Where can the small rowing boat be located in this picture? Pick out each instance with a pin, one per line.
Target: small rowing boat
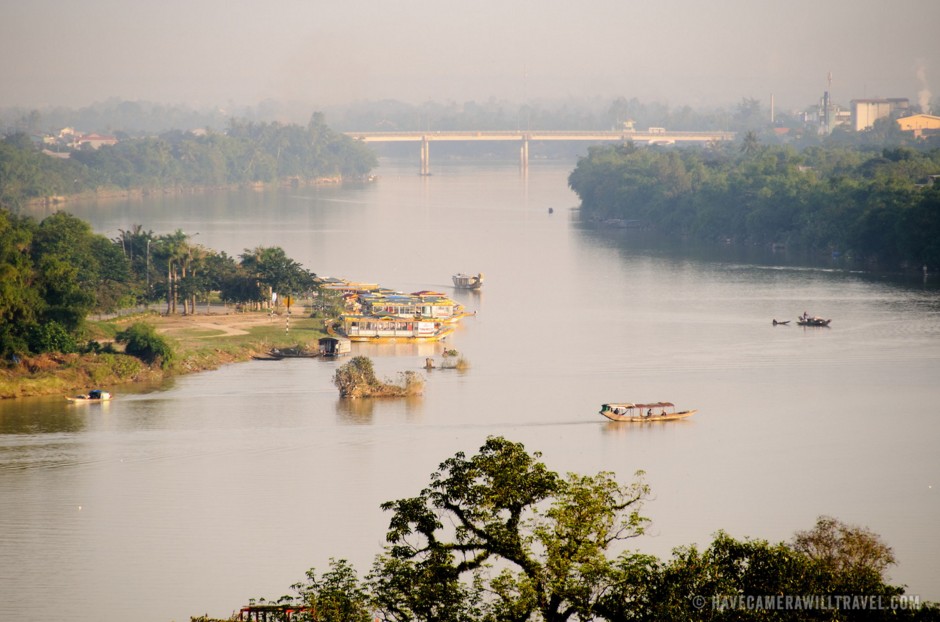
(812, 321)
(96, 395)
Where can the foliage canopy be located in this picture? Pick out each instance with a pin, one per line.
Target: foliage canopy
(498, 536)
(879, 207)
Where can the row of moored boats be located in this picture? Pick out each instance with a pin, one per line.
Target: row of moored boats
(376, 314)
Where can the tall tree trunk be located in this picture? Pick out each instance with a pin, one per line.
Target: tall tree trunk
(176, 290)
(169, 288)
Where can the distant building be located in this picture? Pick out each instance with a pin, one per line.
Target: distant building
(825, 115)
(866, 111)
(919, 123)
(94, 141)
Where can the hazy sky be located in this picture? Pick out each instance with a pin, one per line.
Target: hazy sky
(215, 52)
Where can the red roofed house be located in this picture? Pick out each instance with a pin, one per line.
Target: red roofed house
(94, 141)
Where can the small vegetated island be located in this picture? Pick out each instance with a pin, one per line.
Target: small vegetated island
(882, 207)
(357, 379)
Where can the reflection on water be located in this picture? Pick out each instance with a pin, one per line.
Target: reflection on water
(361, 411)
(43, 415)
(176, 484)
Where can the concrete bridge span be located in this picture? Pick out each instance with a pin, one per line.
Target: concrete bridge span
(652, 136)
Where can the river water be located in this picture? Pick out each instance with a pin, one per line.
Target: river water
(192, 497)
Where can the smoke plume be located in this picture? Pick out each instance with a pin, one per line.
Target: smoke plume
(923, 95)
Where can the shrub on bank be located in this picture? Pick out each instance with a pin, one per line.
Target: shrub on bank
(141, 340)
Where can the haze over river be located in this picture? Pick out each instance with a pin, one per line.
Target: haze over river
(193, 497)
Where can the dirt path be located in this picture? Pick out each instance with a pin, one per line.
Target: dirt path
(228, 323)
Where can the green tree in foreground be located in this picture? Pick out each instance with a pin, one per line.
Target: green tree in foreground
(844, 548)
(336, 596)
(538, 540)
(498, 537)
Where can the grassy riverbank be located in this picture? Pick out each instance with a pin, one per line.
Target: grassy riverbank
(201, 342)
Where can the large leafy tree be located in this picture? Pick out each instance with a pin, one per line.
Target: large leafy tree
(20, 302)
(498, 537)
(843, 548)
(68, 257)
(335, 596)
(276, 272)
(540, 542)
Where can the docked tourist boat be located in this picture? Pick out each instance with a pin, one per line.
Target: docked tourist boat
(96, 395)
(424, 305)
(812, 321)
(390, 329)
(467, 281)
(654, 411)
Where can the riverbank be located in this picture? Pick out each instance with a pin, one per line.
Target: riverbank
(115, 193)
(201, 342)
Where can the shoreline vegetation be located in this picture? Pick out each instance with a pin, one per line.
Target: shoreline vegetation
(880, 208)
(246, 154)
(201, 342)
(115, 193)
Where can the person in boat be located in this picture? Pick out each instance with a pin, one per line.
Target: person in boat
(649, 412)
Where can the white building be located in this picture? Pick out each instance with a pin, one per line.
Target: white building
(866, 111)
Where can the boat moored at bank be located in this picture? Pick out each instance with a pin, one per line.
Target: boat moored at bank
(390, 328)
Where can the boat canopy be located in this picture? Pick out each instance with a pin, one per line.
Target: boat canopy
(641, 406)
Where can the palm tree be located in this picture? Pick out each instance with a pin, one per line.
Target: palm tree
(172, 249)
(750, 144)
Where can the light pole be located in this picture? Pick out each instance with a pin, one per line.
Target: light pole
(148, 267)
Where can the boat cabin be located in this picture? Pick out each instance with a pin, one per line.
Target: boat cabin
(365, 327)
(334, 346)
(652, 409)
(423, 305)
(468, 281)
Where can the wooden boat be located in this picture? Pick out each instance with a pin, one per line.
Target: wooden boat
(389, 329)
(812, 321)
(639, 413)
(466, 281)
(288, 353)
(96, 395)
(334, 346)
(424, 305)
(783, 323)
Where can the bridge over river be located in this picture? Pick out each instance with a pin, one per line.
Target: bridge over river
(653, 136)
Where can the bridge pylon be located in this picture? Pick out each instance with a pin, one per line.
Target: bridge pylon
(425, 156)
(524, 155)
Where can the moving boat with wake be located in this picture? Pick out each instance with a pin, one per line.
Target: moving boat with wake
(639, 413)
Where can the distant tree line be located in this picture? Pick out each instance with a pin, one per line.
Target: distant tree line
(881, 207)
(53, 273)
(140, 119)
(246, 153)
(499, 537)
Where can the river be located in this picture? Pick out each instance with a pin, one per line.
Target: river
(192, 497)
